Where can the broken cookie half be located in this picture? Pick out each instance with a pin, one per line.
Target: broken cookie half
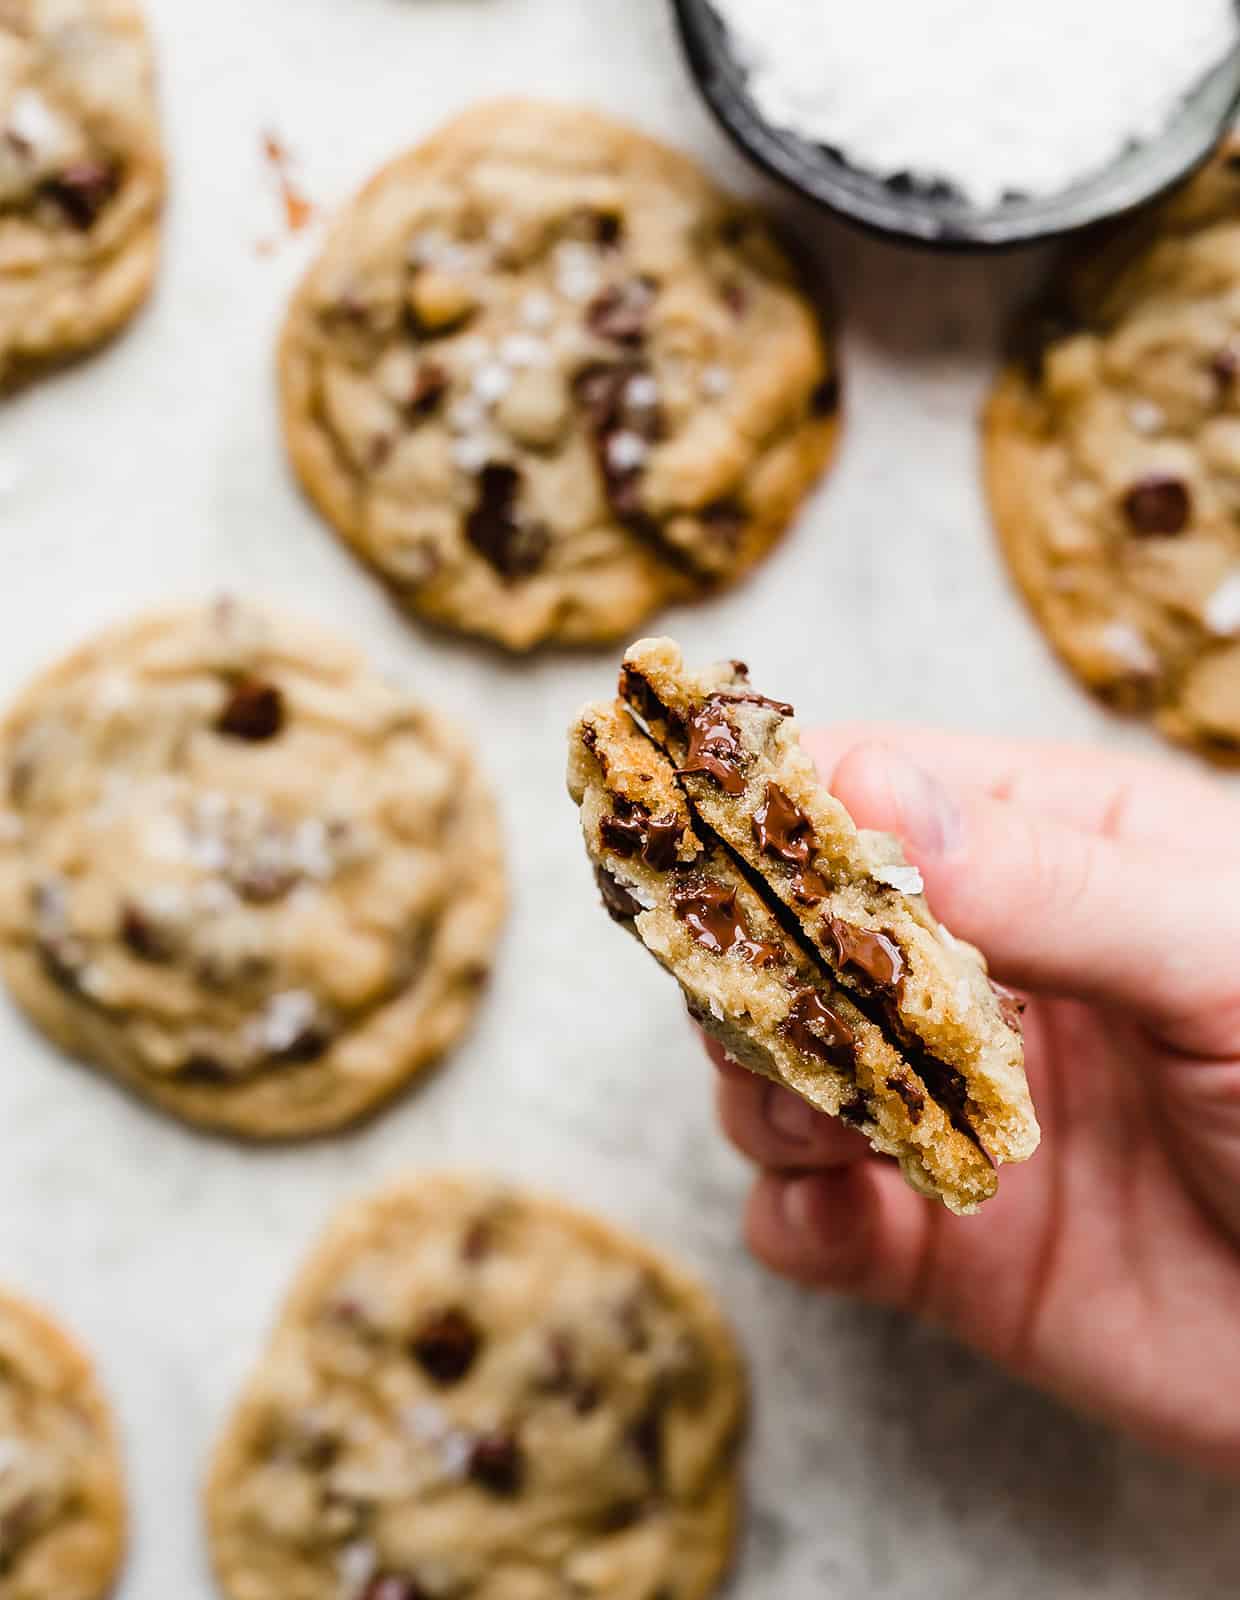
(802, 943)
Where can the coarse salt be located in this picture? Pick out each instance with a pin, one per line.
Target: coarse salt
(907, 880)
(1222, 609)
(990, 96)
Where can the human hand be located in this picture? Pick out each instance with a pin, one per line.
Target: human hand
(1107, 1269)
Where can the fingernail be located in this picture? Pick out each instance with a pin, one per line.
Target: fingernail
(789, 1116)
(929, 818)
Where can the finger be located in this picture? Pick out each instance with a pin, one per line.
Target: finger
(1060, 910)
(776, 1128)
(1123, 796)
(860, 1230)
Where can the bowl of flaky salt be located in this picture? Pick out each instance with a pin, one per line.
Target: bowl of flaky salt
(970, 124)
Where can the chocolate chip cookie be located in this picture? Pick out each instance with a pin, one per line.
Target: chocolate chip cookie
(1113, 465)
(546, 377)
(81, 176)
(477, 1393)
(245, 876)
(802, 943)
(62, 1507)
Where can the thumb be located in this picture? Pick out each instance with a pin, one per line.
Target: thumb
(1060, 909)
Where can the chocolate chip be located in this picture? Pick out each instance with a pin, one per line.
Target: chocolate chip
(1158, 505)
(605, 392)
(637, 692)
(824, 400)
(82, 190)
(817, 1030)
(709, 909)
(1224, 365)
(715, 749)
(646, 1438)
(262, 882)
(446, 1346)
(608, 228)
(781, 829)
(497, 1464)
(379, 451)
(430, 383)
(308, 1044)
(144, 938)
(914, 1100)
(735, 296)
(619, 314)
(619, 902)
(876, 956)
(855, 1112)
(478, 1242)
(619, 1516)
(207, 1069)
(514, 547)
(254, 712)
(393, 1586)
(725, 521)
(632, 830)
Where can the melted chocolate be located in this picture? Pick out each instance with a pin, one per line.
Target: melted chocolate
(873, 954)
(710, 911)
(817, 1030)
(715, 749)
(632, 830)
(254, 712)
(495, 528)
(1158, 505)
(781, 829)
(751, 697)
(914, 1100)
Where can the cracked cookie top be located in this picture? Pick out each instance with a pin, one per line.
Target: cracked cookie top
(242, 873)
(480, 1394)
(81, 175)
(545, 377)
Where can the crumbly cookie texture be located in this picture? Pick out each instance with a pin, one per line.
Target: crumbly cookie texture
(848, 902)
(244, 875)
(1113, 465)
(546, 377)
(746, 978)
(477, 1394)
(81, 176)
(62, 1507)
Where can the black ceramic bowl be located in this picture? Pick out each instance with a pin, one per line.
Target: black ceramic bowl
(935, 216)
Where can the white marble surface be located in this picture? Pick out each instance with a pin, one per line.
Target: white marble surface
(882, 1461)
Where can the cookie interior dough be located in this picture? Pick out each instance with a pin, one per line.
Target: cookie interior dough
(546, 377)
(242, 873)
(1113, 464)
(81, 176)
(62, 1511)
(708, 822)
(477, 1393)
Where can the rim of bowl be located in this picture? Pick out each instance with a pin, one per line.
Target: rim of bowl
(942, 222)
